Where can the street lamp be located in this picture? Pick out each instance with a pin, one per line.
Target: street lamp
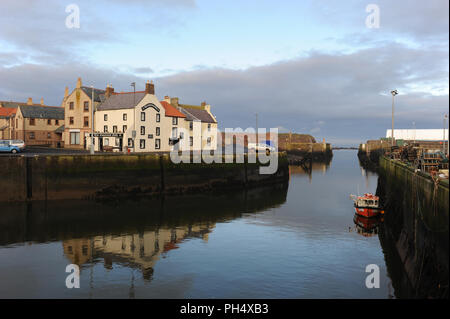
(394, 93)
(92, 121)
(443, 140)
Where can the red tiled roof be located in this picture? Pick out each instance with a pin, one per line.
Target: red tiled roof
(7, 111)
(171, 110)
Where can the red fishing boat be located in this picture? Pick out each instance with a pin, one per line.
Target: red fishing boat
(367, 205)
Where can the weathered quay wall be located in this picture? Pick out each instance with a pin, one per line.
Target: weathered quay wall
(318, 152)
(415, 228)
(111, 176)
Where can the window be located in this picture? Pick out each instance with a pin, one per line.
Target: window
(130, 142)
(117, 141)
(86, 106)
(124, 116)
(191, 141)
(158, 131)
(86, 121)
(32, 122)
(71, 120)
(142, 116)
(70, 105)
(49, 122)
(56, 122)
(106, 142)
(105, 117)
(74, 138)
(142, 144)
(124, 129)
(31, 135)
(209, 127)
(208, 141)
(105, 128)
(157, 143)
(158, 118)
(142, 130)
(114, 128)
(49, 135)
(174, 132)
(17, 123)
(174, 120)
(191, 125)
(181, 135)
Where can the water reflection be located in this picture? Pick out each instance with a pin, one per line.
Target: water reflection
(134, 234)
(310, 167)
(367, 227)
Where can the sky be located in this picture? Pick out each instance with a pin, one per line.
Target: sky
(309, 66)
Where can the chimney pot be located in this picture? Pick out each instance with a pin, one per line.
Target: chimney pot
(149, 88)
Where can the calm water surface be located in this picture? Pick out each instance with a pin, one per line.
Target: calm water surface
(293, 241)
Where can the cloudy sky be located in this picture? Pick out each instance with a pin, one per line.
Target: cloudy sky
(303, 66)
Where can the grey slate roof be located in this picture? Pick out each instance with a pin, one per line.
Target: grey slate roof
(189, 116)
(97, 93)
(202, 115)
(42, 112)
(121, 101)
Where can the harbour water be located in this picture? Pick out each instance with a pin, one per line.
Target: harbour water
(293, 241)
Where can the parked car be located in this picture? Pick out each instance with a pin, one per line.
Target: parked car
(261, 147)
(19, 143)
(6, 146)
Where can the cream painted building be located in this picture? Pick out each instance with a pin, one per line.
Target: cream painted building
(139, 122)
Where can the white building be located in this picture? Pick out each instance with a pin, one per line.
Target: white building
(419, 135)
(139, 122)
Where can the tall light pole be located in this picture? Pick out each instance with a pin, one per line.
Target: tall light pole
(92, 121)
(256, 128)
(133, 133)
(443, 139)
(414, 126)
(394, 93)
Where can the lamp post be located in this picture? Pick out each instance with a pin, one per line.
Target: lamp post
(443, 139)
(92, 121)
(256, 114)
(414, 125)
(133, 133)
(394, 93)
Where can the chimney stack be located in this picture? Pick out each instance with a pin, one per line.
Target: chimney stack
(203, 103)
(109, 90)
(149, 88)
(167, 99)
(79, 83)
(30, 101)
(42, 101)
(174, 101)
(66, 92)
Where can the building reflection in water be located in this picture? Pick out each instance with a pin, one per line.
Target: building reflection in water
(139, 250)
(132, 233)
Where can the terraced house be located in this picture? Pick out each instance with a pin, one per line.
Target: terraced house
(139, 122)
(39, 125)
(36, 124)
(78, 114)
